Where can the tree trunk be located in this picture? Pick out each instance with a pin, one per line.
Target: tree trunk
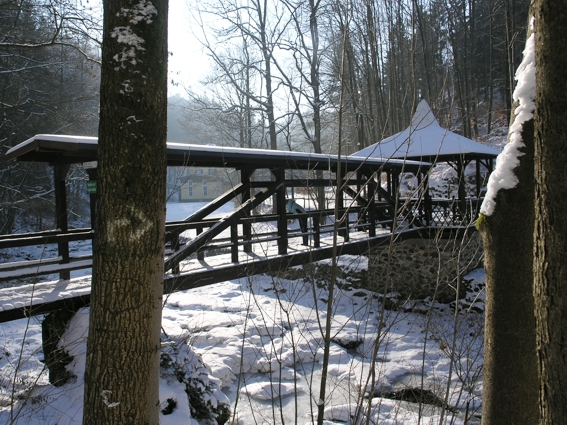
(550, 270)
(510, 362)
(122, 368)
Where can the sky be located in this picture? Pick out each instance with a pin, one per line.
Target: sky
(188, 63)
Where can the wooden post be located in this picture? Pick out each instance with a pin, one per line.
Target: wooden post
(428, 210)
(175, 247)
(461, 191)
(371, 207)
(234, 242)
(59, 175)
(477, 176)
(395, 183)
(245, 175)
(280, 210)
(361, 213)
(317, 231)
(200, 254)
(340, 200)
(304, 228)
(92, 173)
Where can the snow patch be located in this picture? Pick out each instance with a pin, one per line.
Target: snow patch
(271, 390)
(144, 11)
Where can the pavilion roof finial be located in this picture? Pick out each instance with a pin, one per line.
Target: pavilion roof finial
(423, 116)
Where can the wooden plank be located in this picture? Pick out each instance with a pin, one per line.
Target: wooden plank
(76, 263)
(15, 265)
(44, 233)
(55, 238)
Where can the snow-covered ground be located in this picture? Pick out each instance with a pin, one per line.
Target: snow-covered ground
(261, 338)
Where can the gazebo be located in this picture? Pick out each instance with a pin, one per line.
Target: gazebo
(426, 140)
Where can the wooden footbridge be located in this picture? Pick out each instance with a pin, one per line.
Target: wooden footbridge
(368, 212)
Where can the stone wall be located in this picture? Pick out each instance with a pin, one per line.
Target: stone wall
(421, 268)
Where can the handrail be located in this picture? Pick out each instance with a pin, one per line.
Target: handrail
(444, 213)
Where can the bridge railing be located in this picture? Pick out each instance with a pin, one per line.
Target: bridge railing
(451, 212)
(243, 234)
(310, 228)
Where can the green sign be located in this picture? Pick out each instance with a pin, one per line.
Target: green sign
(91, 187)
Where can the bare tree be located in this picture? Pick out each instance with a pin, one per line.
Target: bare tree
(551, 203)
(49, 79)
(259, 24)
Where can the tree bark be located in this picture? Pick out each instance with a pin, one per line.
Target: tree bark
(550, 270)
(122, 368)
(510, 363)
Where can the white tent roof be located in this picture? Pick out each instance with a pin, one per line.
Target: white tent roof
(426, 140)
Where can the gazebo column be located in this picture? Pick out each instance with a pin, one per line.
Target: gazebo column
(420, 196)
(61, 220)
(427, 206)
(395, 183)
(461, 167)
(379, 184)
(461, 189)
(371, 206)
(477, 177)
(340, 206)
(359, 190)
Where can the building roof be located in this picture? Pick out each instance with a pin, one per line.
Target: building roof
(61, 149)
(426, 140)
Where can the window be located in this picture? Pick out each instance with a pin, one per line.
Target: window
(190, 188)
(205, 188)
(199, 171)
(212, 171)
